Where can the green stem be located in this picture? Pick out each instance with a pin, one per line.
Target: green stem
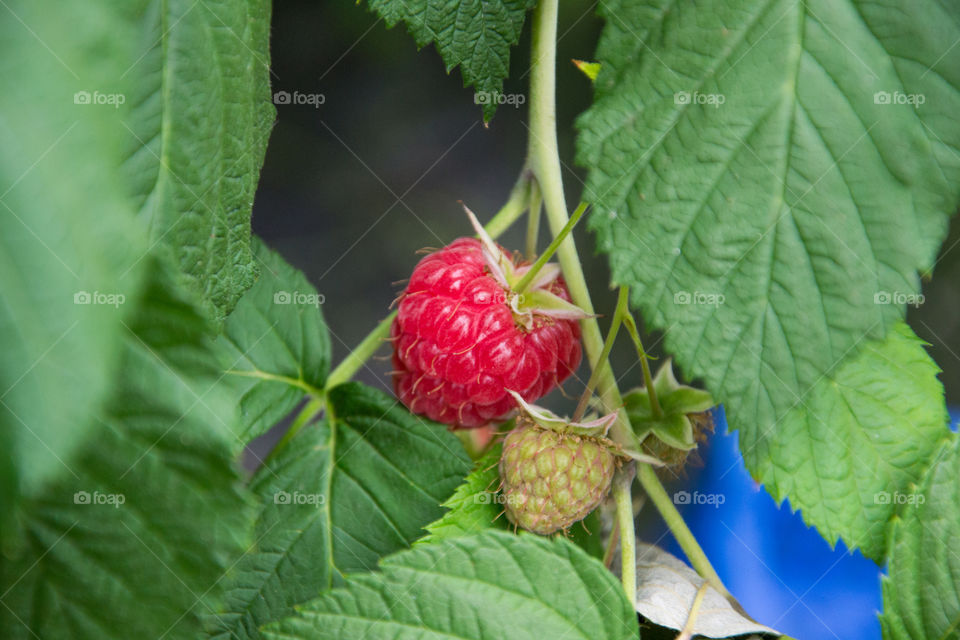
(628, 538)
(359, 356)
(309, 411)
(543, 159)
(604, 355)
(655, 408)
(533, 219)
(514, 207)
(551, 249)
(698, 559)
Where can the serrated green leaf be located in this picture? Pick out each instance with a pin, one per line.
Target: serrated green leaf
(475, 35)
(133, 541)
(276, 344)
(59, 352)
(480, 587)
(860, 438)
(200, 116)
(921, 595)
(336, 500)
(767, 203)
(475, 505)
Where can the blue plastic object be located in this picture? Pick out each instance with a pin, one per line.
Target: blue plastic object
(783, 572)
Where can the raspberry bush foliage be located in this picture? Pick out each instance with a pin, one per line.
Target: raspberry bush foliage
(768, 183)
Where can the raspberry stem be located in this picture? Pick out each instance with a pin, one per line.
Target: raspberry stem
(655, 408)
(528, 277)
(513, 208)
(533, 219)
(604, 355)
(681, 532)
(628, 545)
(543, 159)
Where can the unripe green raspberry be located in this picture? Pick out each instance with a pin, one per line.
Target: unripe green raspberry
(552, 479)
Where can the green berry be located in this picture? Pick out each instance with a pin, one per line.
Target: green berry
(551, 478)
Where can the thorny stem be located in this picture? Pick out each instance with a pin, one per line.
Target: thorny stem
(543, 159)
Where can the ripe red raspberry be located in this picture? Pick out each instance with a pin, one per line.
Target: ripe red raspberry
(462, 339)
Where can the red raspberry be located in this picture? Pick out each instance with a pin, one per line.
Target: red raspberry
(459, 345)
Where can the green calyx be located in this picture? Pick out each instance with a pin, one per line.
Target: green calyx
(678, 403)
(528, 295)
(546, 419)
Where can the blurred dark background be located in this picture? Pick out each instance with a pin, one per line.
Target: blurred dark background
(353, 187)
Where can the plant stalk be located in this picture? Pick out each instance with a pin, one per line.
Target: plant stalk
(543, 159)
(535, 204)
(309, 411)
(644, 360)
(528, 277)
(628, 538)
(698, 559)
(349, 366)
(604, 355)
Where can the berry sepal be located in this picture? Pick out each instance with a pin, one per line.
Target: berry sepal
(536, 298)
(596, 428)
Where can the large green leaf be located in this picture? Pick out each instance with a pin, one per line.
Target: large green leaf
(921, 596)
(200, 91)
(337, 499)
(488, 586)
(766, 204)
(475, 35)
(69, 246)
(276, 344)
(133, 541)
(859, 439)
